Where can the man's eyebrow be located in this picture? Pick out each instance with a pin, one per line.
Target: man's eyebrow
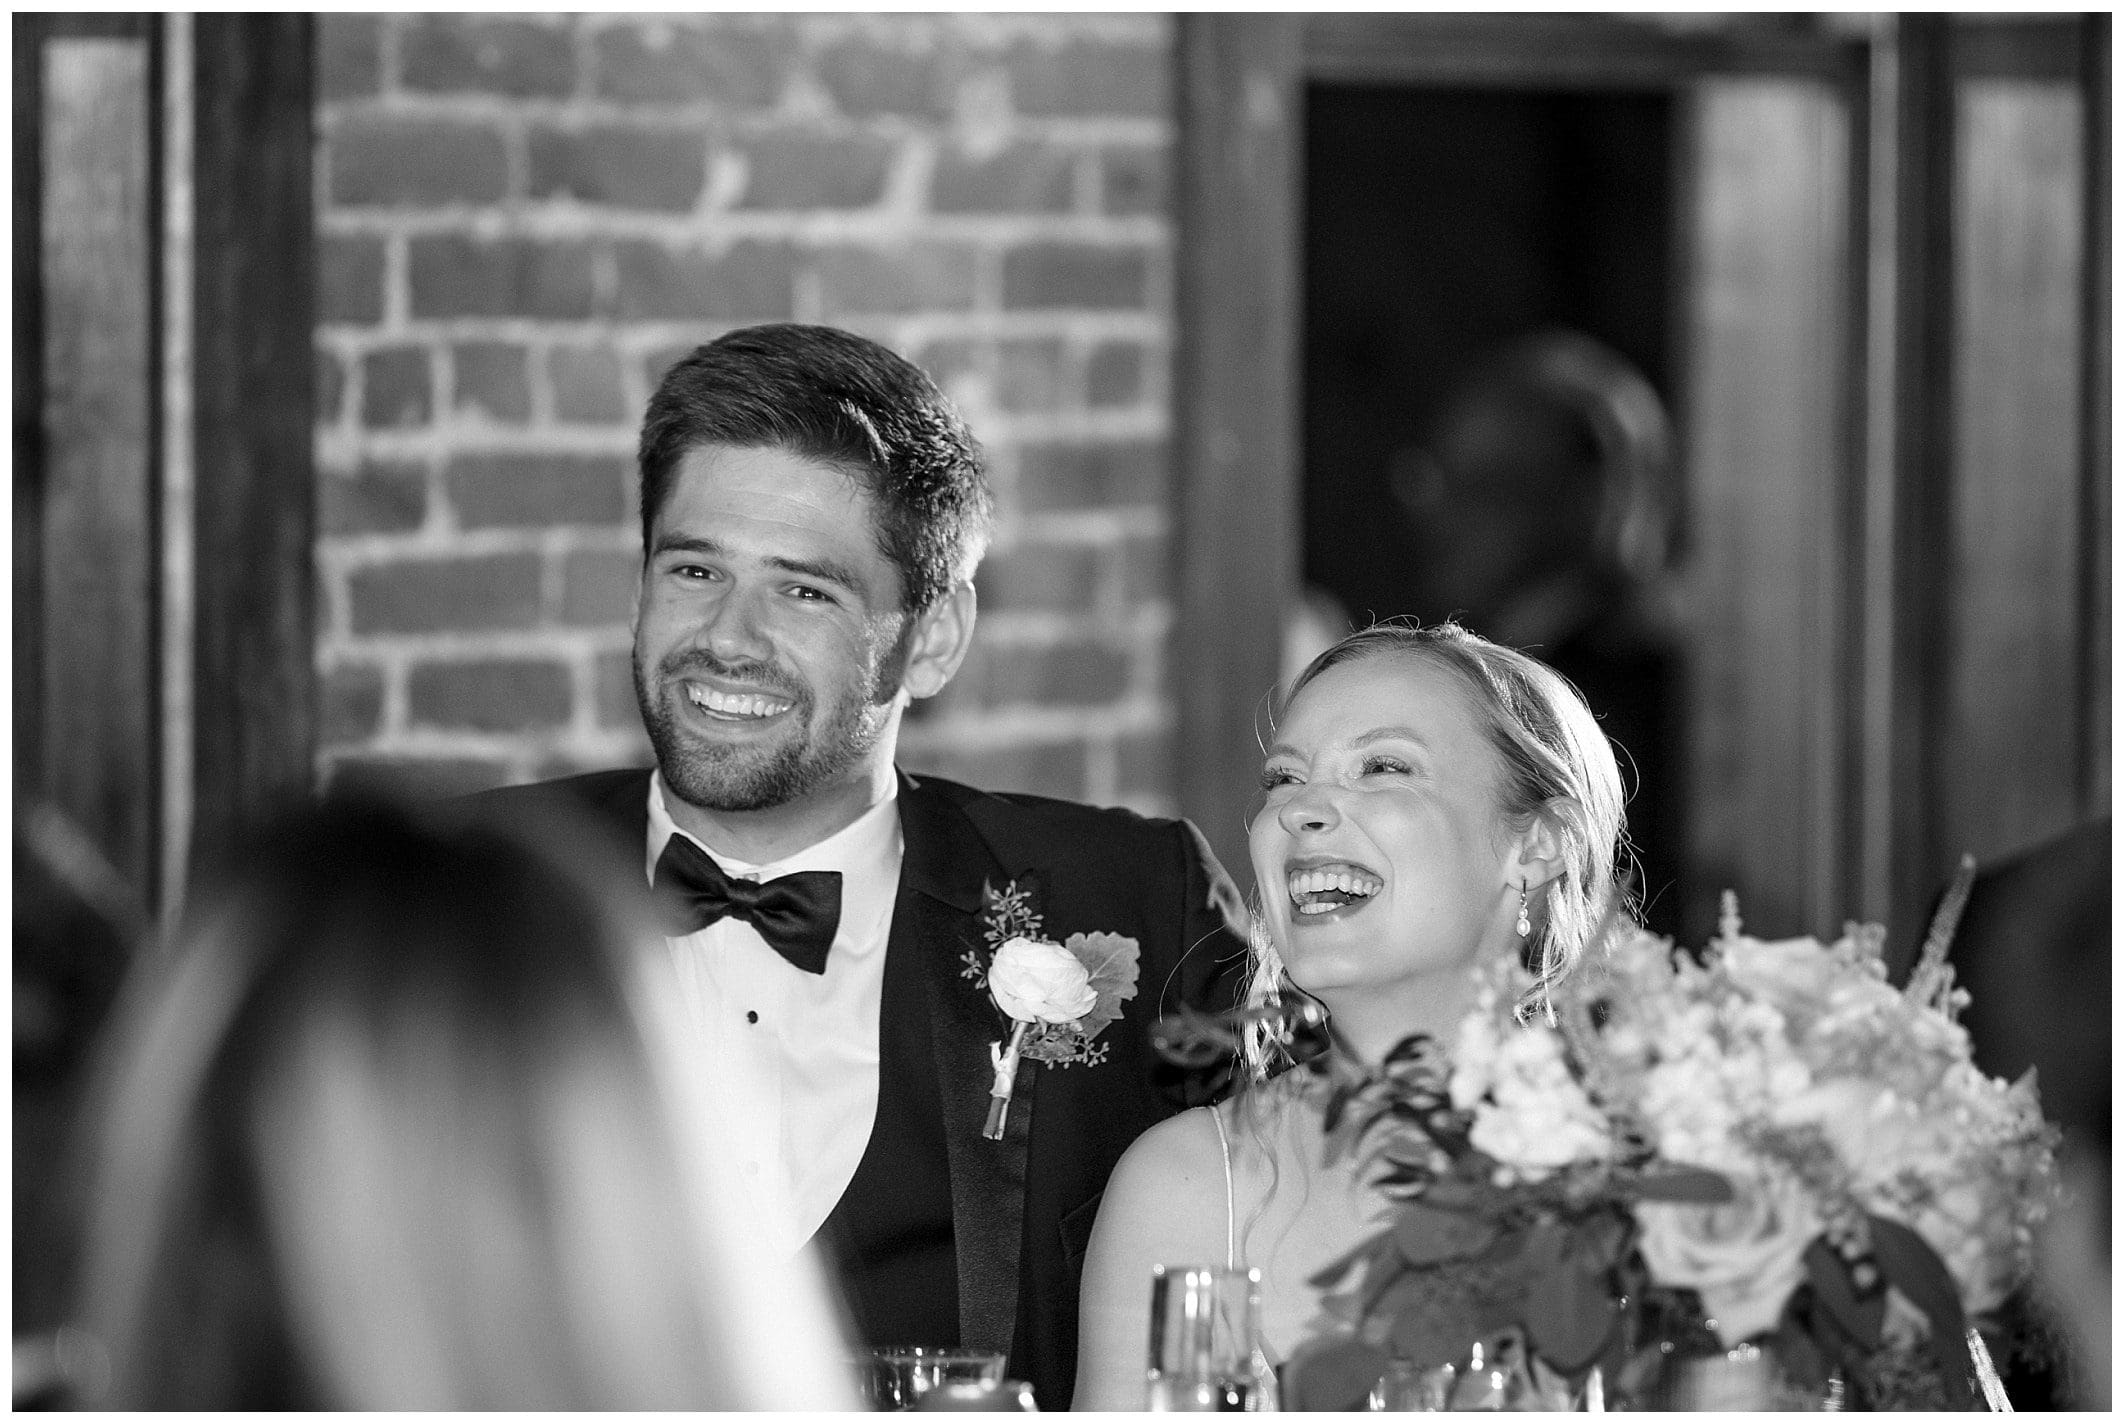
(687, 544)
(824, 570)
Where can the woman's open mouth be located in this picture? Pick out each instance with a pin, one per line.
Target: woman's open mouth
(1324, 889)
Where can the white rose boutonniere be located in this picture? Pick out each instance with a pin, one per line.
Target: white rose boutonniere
(1039, 981)
(1058, 996)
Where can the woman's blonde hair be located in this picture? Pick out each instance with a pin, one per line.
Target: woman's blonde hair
(393, 1128)
(1555, 762)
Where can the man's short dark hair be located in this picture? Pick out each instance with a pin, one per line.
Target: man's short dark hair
(844, 401)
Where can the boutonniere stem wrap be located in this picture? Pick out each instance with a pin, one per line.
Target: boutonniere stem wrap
(1035, 981)
(1058, 996)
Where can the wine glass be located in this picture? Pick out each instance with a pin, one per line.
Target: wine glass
(1204, 1349)
(900, 1375)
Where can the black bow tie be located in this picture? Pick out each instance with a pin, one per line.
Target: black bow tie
(796, 914)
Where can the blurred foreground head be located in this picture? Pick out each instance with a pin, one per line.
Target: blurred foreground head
(394, 1125)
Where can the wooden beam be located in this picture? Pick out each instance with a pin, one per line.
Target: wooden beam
(93, 497)
(1909, 471)
(29, 407)
(1567, 51)
(1235, 515)
(2010, 774)
(254, 684)
(2095, 415)
(1767, 435)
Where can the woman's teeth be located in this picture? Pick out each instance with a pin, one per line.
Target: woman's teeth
(1315, 892)
(736, 704)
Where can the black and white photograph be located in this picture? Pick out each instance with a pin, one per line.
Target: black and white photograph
(1017, 710)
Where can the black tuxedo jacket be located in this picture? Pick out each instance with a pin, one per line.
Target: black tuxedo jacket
(1022, 1208)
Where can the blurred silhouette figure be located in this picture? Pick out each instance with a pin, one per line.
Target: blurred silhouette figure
(1542, 503)
(77, 926)
(2032, 949)
(400, 1122)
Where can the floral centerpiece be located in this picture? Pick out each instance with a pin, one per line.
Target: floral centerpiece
(1766, 1153)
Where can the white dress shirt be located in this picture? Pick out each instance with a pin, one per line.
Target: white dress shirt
(794, 1056)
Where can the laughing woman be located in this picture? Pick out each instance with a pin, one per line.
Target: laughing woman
(1434, 802)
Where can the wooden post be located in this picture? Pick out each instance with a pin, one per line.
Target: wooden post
(1235, 505)
(254, 685)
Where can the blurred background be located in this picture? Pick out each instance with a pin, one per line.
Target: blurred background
(1752, 368)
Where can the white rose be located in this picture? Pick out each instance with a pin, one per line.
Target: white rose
(1745, 1258)
(1038, 981)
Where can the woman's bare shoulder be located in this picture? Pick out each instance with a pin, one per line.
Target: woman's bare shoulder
(1182, 1146)
(1177, 1164)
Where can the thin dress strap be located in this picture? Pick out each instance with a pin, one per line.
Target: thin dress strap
(1231, 1211)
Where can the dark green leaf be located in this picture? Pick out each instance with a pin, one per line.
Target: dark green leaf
(1569, 1316)
(1599, 1241)
(1675, 1182)
(1332, 1375)
(1916, 1270)
(1857, 1313)
(1425, 1235)
(1332, 1272)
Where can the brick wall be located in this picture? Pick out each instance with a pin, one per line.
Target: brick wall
(524, 221)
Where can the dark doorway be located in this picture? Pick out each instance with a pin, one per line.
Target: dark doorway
(1487, 272)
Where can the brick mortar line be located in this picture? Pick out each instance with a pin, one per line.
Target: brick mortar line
(554, 644)
(1086, 429)
(822, 27)
(719, 120)
(714, 231)
(339, 447)
(352, 340)
(441, 439)
(344, 553)
(818, 27)
(463, 435)
(1141, 629)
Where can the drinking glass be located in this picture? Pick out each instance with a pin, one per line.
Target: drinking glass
(1203, 1346)
(1498, 1373)
(1007, 1397)
(900, 1375)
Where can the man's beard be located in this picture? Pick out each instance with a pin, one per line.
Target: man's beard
(720, 777)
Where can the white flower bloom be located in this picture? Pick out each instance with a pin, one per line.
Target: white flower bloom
(1038, 981)
(1537, 1117)
(1744, 1258)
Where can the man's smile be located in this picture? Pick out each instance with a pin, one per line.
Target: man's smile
(736, 706)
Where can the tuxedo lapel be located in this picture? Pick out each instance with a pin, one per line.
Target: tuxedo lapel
(935, 922)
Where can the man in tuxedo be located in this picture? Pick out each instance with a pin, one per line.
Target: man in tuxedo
(812, 514)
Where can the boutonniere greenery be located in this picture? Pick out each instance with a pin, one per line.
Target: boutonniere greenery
(1058, 994)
